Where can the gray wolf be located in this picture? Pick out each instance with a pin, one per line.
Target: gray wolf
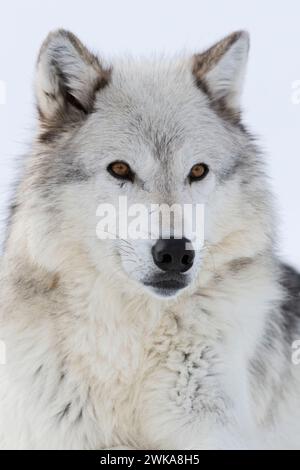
(140, 344)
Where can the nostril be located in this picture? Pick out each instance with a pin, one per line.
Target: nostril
(186, 259)
(167, 258)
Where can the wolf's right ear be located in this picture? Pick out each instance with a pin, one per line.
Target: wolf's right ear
(68, 77)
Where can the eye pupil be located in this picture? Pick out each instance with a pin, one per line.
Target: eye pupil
(198, 172)
(120, 170)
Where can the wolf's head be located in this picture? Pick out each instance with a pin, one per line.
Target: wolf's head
(155, 132)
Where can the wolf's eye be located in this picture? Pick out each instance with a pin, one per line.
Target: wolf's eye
(198, 172)
(121, 170)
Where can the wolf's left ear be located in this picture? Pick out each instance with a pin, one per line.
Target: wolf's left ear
(68, 77)
(220, 70)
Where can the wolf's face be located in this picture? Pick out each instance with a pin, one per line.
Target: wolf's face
(150, 133)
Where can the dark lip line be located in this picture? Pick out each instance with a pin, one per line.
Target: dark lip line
(173, 285)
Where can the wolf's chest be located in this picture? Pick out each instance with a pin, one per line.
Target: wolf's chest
(174, 379)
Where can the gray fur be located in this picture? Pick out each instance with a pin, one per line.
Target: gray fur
(96, 358)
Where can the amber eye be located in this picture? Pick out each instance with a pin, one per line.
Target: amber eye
(121, 170)
(198, 172)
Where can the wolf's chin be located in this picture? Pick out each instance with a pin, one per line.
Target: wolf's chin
(163, 293)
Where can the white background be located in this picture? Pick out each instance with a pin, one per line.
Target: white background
(112, 27)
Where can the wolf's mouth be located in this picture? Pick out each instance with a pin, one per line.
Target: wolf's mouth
(166, 286)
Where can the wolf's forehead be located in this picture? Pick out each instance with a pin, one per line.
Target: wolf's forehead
(154, 93)
(160, 107)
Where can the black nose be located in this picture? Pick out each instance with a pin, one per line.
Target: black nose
(173, 255)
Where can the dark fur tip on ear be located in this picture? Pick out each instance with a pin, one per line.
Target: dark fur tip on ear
(68, 77)
(220, 70)
(60, 38)
(206, 61)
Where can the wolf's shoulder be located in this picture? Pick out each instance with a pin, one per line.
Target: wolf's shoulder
(290, 307)
(290, 279)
